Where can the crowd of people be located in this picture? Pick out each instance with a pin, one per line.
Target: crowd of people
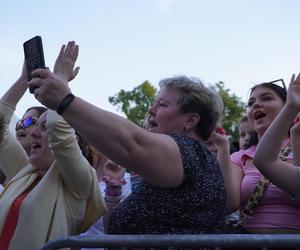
(73, 177)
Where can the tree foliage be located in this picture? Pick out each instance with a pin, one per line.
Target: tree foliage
(234, 108)
(136, 103)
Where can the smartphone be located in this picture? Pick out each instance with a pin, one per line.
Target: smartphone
(34, 57)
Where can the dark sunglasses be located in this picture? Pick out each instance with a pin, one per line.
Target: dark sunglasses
(26, 122)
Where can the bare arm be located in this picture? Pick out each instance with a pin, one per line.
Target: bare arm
(154, 156)
(295, 138)
(232, 174)
(283, 174)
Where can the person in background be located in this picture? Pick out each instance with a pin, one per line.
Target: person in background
(247, 136)
(25, 126)
(276, 212)
(182, 189)
(53, 192)
(115, 186)
(285, 175)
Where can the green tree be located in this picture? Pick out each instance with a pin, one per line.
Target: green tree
(135, 104)
(234, 108)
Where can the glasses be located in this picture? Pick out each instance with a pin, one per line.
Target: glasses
(27, 122)
(279, 80)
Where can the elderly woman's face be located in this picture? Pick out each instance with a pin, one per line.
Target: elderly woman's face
(164, 115)
(40, 154)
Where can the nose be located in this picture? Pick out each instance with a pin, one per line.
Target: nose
(152, 110)
(257, 104)
(247, 137)
(35, 133)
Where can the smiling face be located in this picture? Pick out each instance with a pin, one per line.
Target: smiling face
(24, 128)
(164, 115)
(40, 153)
(263, 106)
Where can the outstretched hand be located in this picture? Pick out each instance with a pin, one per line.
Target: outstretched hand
(65, 62)
(293, 95)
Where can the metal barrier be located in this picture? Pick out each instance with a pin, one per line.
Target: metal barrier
(217, 241)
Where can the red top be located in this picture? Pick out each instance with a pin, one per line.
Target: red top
(12, 217)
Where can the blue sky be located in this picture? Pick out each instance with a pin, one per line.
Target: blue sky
(124, 42)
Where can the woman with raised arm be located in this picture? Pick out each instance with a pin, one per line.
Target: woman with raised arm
(265, 208)
(182, 189)
(283, 174)
(51, 193)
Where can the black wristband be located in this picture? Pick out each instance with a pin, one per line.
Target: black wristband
(65, 103)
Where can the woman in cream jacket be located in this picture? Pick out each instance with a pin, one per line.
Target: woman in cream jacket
(54, 192)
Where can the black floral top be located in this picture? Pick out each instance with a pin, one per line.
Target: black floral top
(198, 205)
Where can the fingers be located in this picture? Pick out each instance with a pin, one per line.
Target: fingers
(35, 83)
(76, 52)
(75, 72)
(61, 52)
(41, 73)
(72, 51)
(38, 76)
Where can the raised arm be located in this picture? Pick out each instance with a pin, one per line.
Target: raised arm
(232, 174)
(12, 155)
(72, 165)
(154, 156)
(295, 138)
(282, 174)
(17, 90)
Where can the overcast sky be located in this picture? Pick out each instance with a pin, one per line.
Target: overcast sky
(124, 42)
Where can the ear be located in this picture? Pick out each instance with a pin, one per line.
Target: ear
(191, 121)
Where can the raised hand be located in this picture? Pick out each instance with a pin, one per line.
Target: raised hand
(219, 138)
(293, 95)
(65, 62)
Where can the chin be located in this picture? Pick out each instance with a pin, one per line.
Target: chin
(39, 164)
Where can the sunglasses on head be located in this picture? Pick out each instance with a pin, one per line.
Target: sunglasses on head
(27, 122)
(278, 81)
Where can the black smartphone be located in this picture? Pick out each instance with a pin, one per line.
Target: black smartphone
(34, 57)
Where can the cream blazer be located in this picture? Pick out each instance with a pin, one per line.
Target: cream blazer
(66, 201)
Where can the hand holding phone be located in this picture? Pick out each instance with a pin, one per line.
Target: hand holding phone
(34, 57)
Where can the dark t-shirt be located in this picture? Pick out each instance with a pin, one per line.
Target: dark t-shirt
(198, 205)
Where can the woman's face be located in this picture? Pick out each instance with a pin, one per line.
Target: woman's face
(40, 153)
(164, 115)
(263, 106)
(24, 128)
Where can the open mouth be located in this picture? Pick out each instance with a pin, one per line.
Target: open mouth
(259, 115)
(35, 145)
(152, 124)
